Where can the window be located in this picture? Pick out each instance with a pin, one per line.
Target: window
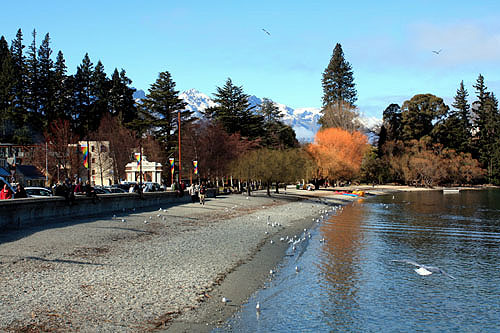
(103, 148)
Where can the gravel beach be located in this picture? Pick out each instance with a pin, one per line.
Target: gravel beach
(150, 270)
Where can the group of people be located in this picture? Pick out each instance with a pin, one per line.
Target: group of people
(6, 192)
(68, 189)
(198, 192)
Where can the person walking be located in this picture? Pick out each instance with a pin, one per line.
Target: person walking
(192, 193)
(5, 193)
(203, 191)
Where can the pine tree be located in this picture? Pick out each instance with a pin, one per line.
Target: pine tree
(63, 102)
(338, 81)
(486, 130)
(277, 134)
(460, 124)
(46, 82)
(33, 78)
(160, 110)
(100, 91)
(20, 103)
(7, 81)
(270, 111)
(121, 100)
(83, 98)
(234, 112)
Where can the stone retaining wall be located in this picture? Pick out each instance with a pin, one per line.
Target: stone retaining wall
(21, 213)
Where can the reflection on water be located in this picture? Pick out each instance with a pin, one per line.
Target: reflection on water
(349, 283)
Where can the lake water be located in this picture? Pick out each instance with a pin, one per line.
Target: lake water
(350, 283)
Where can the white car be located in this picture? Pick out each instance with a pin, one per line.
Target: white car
(38, 192)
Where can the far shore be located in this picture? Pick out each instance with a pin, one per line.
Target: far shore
(154, 269)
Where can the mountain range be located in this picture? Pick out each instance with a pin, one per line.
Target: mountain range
(304, 121)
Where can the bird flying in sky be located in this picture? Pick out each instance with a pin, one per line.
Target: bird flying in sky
(267, 32)
(437, 52)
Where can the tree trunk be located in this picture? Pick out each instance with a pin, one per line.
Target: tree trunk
(268, 187)
(277, 187)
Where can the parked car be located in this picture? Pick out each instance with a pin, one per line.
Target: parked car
(151, 187)
(38, 192)
(114, 189)
(101, 190)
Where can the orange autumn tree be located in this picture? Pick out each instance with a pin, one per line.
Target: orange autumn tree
(338, 153)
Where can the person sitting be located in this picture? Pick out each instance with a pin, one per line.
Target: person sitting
(5, 193)
(90, 192)
(20, 192)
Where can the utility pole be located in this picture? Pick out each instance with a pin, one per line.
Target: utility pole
(140, 166)
(46, 164)
(179, 130)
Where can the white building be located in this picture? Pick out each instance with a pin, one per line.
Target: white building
(101, 163)
(151, 171)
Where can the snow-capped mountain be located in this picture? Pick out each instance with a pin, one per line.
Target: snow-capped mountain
(304, 121)
(197, 101)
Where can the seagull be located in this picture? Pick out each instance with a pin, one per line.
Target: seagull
(225, 300)
(423, 269)
(267, 32)
(437, 52)
(297, 269)
(257, 307)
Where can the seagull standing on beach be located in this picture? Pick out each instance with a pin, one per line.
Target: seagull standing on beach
(423, 269)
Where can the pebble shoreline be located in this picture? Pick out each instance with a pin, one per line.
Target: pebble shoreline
(140, 270)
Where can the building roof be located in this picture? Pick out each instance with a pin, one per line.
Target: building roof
(4, 173)
(29, 172)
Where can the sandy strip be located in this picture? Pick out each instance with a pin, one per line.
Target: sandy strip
(149, 270)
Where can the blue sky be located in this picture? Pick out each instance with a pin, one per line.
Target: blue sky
(201, 43)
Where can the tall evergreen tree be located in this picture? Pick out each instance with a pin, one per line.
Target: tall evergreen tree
(100, 91)
(486, 130)
(277, 134)
(160, 109)
(81, 118)
(33, 78)
(338, 81)
(20, 104)
(234, 112)
(121, 100)
(488, 136)
(63, 95)
(46, 82)
(7, 82)
(459, 124)
(339, 94)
